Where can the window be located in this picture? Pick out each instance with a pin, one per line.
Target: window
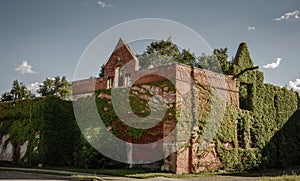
(120, 78)
(240, 133)
(246, 96)
(110, 82)
(252, 141)
(128, 79)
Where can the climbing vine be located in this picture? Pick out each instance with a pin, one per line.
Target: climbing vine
(46, 123)
(262, 131)
(267, 122)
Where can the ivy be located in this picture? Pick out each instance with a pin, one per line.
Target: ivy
(267, 122)
(262, 131)
(49, 126)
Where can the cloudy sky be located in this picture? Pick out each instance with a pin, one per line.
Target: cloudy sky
(40, 39)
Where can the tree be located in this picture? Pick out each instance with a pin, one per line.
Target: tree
(186, 57)
(216, 62)
(222, 56)
(163, 52)
(6, 97)
(55, 87)
(101, 74)
(18, 91)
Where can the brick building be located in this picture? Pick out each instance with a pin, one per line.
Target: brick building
(122, 70)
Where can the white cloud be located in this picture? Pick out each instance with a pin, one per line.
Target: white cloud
(295, 85)
(251, 28)
(33, 87)
(25, 68)
(293, 15)
(274, 64)
(103, 4)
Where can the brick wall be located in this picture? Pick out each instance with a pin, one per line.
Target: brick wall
(185, 79)
(121, 56)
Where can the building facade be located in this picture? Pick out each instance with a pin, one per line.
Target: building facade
(122, 70)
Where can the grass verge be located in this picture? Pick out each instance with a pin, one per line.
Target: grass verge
(283, 177)
(138, 173)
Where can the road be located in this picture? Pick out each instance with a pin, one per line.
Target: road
(8, 173)
(20, 176)
(16, 175)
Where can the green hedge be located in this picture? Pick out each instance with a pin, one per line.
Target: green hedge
(268, 128)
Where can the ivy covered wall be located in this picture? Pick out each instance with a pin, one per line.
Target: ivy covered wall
(263, 131)
(267, 123)
(47, 124)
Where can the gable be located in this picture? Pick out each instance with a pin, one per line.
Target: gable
(122, 55)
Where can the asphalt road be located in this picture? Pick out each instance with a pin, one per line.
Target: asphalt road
(15, 175)
(8, 173)
(20, 176)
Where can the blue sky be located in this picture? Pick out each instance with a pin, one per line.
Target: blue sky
(51, 35)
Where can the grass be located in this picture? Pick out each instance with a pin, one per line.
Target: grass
(137, 173)
(170, 175)
(130, 173)
(283, 177)
(268, 175)
(115, 172)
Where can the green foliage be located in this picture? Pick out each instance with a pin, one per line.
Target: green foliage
(242, 59)
(18, 91)
(222, 56)
(101, 73)
(163, 52)
(262, 132)
(6, 97)
(139, 96)
(134, 133)
(217, 62)
(54, 139)
(86, 156)
(56, 87)
(267, 132)
(47, 124)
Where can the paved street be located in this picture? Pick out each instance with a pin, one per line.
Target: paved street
(8, 173)
(20, 176)
(15, 175)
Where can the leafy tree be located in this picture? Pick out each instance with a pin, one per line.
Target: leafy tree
(101, 74)
(47, 88)
(55, 87)
(209, 62)
(6, 97)
(222, 56)
(186, 57)
(163, 47)
(64, 88)
(18, 91)
(163, 52)
(216, 62)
